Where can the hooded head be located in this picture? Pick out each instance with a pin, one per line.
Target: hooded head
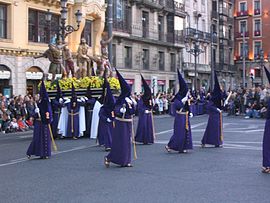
(89, 92)
(73, 97)
(147, 96)
(216, 95)
(59, 91)
(109, 100)
(183, 90)
(125, 88)
(44, 105)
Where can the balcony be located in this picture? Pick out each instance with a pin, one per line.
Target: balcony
(240, 58)
(179, 7)
(242, 14)
(152, 4)
(240, 34)
(121, 27)
(145, 32)
(203, 36)
(201, 68)
(257, 11)
(257, 33)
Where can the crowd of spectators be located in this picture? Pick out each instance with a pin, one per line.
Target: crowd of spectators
(16, 113)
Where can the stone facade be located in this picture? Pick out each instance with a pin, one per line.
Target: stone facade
(143, 28)
(17, 52)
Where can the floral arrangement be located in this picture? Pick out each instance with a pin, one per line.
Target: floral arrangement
(83, 83)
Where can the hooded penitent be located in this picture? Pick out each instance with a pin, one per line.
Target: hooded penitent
(109, 100)
(89, 92)
(268, 106)
(45, 105)
(183, 88)
(73, 97)
(216, 95)
(59, 93)
(147, 93)
(125, 88)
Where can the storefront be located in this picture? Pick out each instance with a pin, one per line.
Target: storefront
(5, 76)
(161, 85)
(33, 77)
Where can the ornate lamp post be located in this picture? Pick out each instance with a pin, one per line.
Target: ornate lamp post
(195, 51)
(64, 30)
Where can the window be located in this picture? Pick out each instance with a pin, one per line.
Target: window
(241, 50)
(121, 16)
(257, 73)
(257, 5)
(170, 28)
(128, 57)
(257, 49)
(3, 21)
(145, 23)
(243, 26)
(173, 60)
(243, 6)
(160, 28)
(257, 25)
(161, 60)
(87, 32)
(146, 59)
(38, 28)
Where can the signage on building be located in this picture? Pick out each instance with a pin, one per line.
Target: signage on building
(191, 74)
(34, 75)
(4, 74)
(161, 82)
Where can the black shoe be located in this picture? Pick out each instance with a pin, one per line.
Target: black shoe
(106, 162)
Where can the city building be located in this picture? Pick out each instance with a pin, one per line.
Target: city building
(252, 48)
(148, 40)
(25, 33)
(222, 30)
(198, 44)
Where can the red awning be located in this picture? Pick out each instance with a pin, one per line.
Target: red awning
(161, 82)
(130, 81)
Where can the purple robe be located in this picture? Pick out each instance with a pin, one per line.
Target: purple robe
(105, 128)
(121, 143)
(213, 134)
(144, 133)
(41, 143)
(181, 139)
(89, 106)
(73, 127)
(56, 109)
(266, 144)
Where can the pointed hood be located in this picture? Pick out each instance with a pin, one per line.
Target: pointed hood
(147, 92)
(183, 88)
(125, 88)
(59, 91)
(44, 104)
(102, 97)
(268, 105)
(73, 95)
(89, 92)
(216, 95)
(109, 100)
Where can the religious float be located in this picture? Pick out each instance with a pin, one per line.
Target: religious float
(81, 85)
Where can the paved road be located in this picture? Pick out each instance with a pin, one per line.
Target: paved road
(77, 174)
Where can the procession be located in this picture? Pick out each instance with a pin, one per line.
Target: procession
(134, 101)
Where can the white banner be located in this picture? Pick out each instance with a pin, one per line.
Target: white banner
(5, 74)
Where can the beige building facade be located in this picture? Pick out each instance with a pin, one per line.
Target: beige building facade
(24, 33)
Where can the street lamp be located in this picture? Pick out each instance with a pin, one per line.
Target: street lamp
(64, 30)
(195, 51)
(261, 64)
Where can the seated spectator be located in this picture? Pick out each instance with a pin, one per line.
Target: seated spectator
(21, 124)
(253, 111)
(14, 127)
(30, 122)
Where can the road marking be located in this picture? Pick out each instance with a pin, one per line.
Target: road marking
(16, 161)
(25, 136)
(171, 130)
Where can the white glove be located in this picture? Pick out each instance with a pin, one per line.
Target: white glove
(191, 115)
(219, 110)
(128, 100)
(82, 99)
(146, 111)
(36, 110)
(225, 103)
(109, 120)
(123, 110)
(85, 98)
(61, 100)
(184, 100)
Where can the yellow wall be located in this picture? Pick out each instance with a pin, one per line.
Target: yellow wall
(18, 23)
